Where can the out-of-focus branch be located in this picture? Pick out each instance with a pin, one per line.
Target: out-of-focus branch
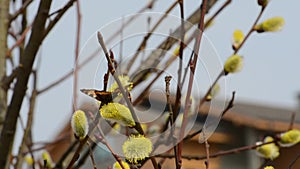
(228, 107)
(59, 15)
(21, 10)
(4, 13)
(28, 126)
(218, 154)
(146, 37)
(19, 41)
(26, 63)
(154, 57)
(293, 161)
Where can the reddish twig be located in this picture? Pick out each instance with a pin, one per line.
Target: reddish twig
(19, 41)
(191, 79)
(252, 29)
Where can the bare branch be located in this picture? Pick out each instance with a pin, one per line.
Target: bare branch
(191, 78)
(28, 126)
(77, 45)
(218, 154)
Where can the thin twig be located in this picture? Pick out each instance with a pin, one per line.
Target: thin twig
(85, 155)
(228, 107)
(92, 156)
(103, 141)
(208, 22)
(171, 117)
(178, 161)
(293, 161)
(293, 117)
(252, 29)
(207, 154)
(218, 154)
(19, 41)
(191, 79)
(59, 15)
(167, 81)
(180, 62)
(77, 152)
(77, 45)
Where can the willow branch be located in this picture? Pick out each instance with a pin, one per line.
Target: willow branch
(77, 45)
(191, 78)
(218, 154)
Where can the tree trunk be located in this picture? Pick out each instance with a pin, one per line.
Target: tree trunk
(4, 19)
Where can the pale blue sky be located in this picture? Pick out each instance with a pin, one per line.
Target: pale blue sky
(271, 60)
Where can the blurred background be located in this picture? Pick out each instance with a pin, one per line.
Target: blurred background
(271, 60)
